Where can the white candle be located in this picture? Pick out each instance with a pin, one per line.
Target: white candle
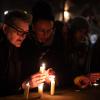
(26, 91)
(42, 68)
(40, 86)
(52, 89)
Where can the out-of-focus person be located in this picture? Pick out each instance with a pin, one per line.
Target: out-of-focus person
(82, 55)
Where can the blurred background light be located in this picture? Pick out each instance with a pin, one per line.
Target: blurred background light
(6, 12)
(66, 16)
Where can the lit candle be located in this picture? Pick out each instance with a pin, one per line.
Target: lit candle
(40, 86)
(52, 89)
(26, 91)
(42, 68)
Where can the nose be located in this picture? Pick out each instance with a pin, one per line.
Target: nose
(22, 37)
(44, 34)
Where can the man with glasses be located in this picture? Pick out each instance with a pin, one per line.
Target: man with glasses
(14, 30)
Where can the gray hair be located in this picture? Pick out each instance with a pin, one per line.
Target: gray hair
(11, 16)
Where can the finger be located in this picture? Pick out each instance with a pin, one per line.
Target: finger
(50, 71)
(40, 81)
(35, 79)
(35, 83)
(38, 75)
(41, 78)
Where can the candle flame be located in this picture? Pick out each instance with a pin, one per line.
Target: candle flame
(43, 67)
(27, 84)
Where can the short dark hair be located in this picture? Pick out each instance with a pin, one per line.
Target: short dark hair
(79, 23)
(17, 14)
(42, 11)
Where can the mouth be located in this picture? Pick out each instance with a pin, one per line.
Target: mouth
(19, 42)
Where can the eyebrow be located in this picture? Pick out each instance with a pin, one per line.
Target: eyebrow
(17, 28)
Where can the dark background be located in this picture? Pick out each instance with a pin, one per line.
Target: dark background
(76, 6)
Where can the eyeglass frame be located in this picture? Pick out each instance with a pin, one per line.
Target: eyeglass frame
(19, 31)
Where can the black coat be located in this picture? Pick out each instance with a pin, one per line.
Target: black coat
(82, 59)
(10, 67)
(35, 53)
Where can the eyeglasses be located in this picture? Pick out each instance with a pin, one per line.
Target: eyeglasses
(19, 30)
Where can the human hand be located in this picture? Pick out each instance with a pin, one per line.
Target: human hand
(35, 80)
(94, 77)
(82, 81)
(49, 72)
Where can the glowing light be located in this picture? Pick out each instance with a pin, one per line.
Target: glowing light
(66, 15)
(6, 12)
(26, 91)
(52, 89)
(40, 86)
(25, 12)
(42, 68)
(66, 6)
(93, 38)
(95, 84)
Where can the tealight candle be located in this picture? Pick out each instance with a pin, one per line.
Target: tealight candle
(26, 91)
(52, 89)
(40, 86)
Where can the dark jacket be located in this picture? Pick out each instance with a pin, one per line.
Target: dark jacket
(37, 53)
(82, 59)
(10, 67)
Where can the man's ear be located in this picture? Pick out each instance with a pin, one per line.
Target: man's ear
(4, 28)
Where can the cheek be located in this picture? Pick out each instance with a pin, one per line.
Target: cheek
(78, 36)
(39, 35)
(49, 35)
(13, 38)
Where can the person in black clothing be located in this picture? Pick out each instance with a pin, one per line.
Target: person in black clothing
(14, 30)
(77, 48)
(94, 48)
(81, 59)
(92, 76)
(42, 44)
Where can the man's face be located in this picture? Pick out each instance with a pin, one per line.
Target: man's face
(43, 30)
(17, 33)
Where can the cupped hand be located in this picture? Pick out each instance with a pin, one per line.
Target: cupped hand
(82, 81)
(49, 72)
(94, 77)
(37, 79)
